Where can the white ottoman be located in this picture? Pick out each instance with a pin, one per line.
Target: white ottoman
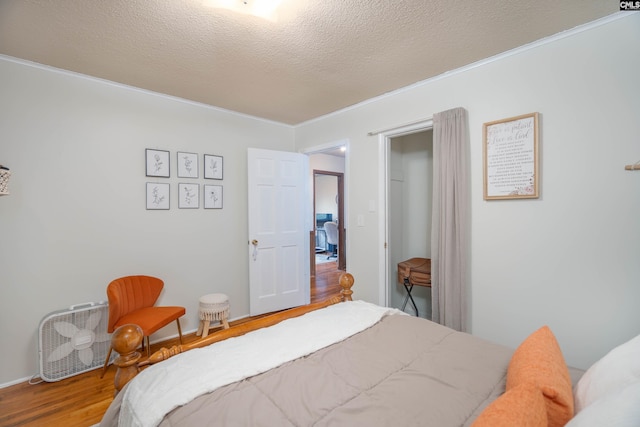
(213, 308)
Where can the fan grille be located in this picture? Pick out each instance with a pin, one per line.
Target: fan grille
(73, 341)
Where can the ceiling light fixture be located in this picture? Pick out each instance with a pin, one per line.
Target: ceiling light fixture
(265, 9)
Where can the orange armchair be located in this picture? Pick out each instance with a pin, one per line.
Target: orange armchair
(131, 300)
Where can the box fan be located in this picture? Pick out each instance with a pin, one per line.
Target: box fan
(73, 341)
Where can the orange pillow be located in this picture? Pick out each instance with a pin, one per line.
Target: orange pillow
(522, 406)
(538, 360)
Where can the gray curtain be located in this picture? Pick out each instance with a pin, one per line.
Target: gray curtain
(450, 222)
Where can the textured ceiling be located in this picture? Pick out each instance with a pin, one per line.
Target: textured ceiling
(317, 57)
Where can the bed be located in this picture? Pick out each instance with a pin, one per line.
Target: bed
(343, 364)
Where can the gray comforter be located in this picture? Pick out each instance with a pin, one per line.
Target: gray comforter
(404, 371)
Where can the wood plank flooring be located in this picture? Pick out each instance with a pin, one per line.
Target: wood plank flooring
(80, 401)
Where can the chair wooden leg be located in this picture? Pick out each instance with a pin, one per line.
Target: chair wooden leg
(179, 330)
(106, 362)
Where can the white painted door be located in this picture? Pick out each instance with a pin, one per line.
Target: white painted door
(278, 230)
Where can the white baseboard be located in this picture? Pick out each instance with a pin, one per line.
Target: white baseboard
(14, 382)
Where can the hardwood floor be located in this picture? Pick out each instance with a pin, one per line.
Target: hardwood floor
(80, 401)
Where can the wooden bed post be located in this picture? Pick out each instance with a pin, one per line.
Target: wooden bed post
(127, 338)
(346, 282)
(125, 341)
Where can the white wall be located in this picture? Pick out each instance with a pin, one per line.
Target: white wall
(76, 215)
(570, 259)
(326, 195)
(417, 166)
(325, 162)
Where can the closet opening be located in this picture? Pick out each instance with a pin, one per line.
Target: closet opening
(407, 187)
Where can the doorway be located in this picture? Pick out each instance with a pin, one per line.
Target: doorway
(330, 161)
(328, 206)
(409, 213)
(406, 172)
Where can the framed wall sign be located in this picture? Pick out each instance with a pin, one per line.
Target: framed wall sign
(157, 163)
(510, 150)
(157, 195)
(213, 166)
(187, 165)
(188, 196)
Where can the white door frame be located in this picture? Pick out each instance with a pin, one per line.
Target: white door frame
(384, 143)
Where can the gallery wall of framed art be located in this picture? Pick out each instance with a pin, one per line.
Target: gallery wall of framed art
(188, 166)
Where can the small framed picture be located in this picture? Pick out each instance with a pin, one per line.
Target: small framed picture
(157, 196)
(157, 163)
(187, 165)
(213, 196)
(213, 166)
(188, 196)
